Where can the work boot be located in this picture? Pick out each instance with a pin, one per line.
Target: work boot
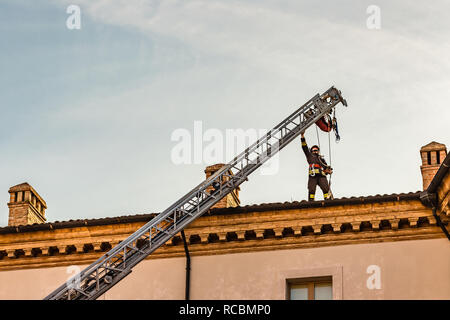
(311, 197)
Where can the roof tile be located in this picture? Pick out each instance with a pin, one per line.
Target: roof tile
(216, 211)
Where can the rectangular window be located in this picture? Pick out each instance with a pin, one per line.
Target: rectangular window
(318, 288)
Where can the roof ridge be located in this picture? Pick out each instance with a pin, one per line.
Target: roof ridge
(219, 211)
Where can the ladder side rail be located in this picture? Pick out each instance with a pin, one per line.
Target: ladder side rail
(321, 107)
(300, 109)
(107, 257)
(136, 258)
(296, 113)
(245, 153)
(258, 143)
(252, 167)
(285, 140)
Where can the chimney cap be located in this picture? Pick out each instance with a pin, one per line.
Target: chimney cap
(27, 187)
(433, 146)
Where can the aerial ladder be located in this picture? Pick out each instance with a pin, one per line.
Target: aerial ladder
(118, 262)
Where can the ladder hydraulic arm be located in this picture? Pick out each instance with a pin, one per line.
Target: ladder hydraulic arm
(117, 263)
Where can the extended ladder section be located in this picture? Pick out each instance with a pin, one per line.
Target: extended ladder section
(117, 263)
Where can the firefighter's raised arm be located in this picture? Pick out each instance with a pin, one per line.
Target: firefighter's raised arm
(304, 145)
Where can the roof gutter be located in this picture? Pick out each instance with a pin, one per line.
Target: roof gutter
(429, 196)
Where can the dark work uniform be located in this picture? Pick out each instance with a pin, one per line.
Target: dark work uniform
(316, 175)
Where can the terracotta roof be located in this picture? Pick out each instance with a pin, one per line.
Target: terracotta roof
(217, 211)
(316, 204)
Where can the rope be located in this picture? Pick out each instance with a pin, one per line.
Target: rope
(318, 140)
(329, 146)
(329, 153)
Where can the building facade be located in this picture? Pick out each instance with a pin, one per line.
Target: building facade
(377, 247)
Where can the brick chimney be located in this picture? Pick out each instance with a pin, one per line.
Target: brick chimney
(232, 199)
(432, 156)
(25, 206)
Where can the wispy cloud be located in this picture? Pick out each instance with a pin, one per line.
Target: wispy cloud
(232, 64)
(281, 39)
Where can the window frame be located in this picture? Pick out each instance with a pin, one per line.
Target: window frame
(336, 271)
(310, 282)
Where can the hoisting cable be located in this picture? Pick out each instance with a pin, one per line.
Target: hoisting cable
(318, 140)
(329, 154)
(329, 151)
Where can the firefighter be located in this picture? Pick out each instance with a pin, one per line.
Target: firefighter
(318, 169)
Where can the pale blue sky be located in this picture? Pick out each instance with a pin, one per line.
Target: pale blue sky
(86, 115)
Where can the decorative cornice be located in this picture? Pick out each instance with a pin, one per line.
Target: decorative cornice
(263, 207)
(231, 233)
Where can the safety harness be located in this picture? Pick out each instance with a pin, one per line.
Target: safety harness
(315, 169)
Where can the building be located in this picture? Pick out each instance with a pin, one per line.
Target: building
(392, 246)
